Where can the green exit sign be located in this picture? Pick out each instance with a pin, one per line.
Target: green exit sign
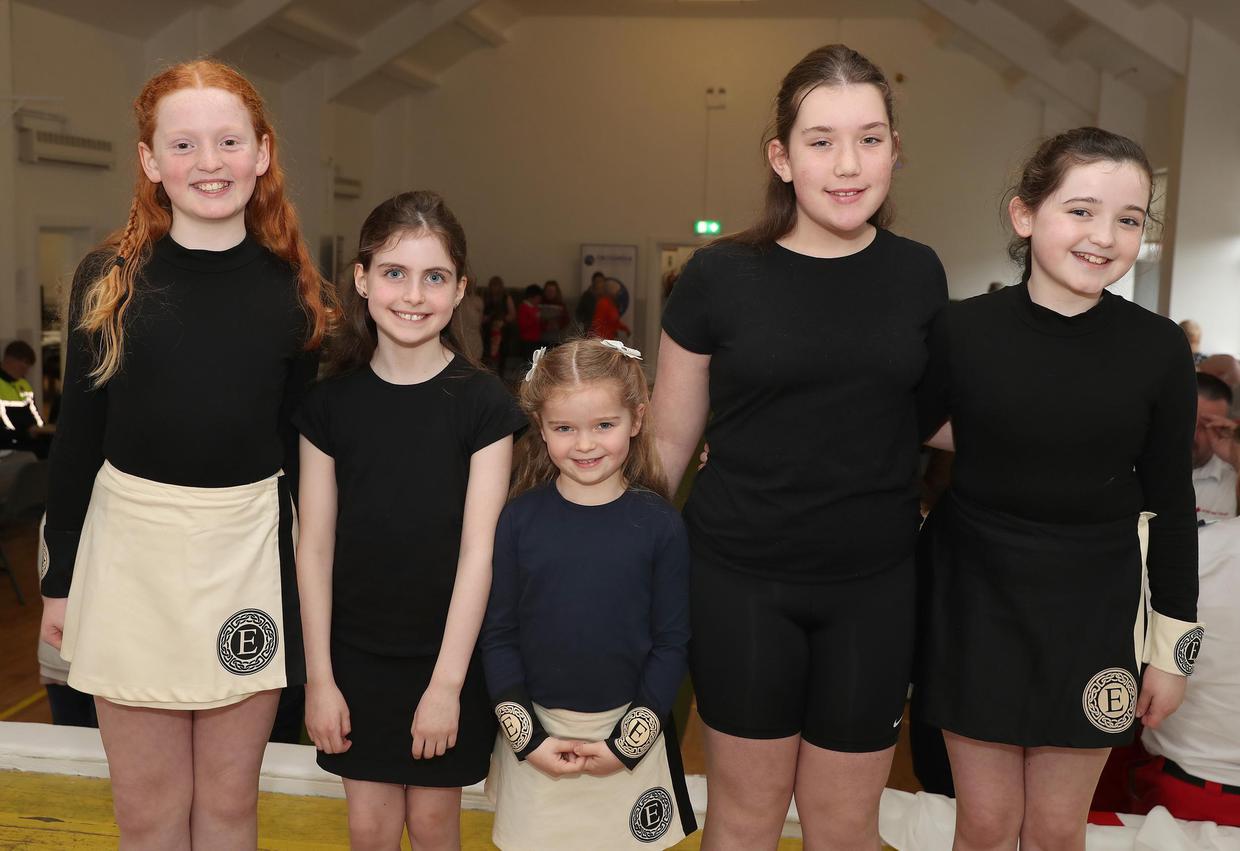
(706, 227)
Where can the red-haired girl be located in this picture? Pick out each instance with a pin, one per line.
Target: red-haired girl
(168, 575)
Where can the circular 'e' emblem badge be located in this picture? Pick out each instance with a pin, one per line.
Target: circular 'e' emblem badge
(1110, 700)
(247, 642)
(651, 816)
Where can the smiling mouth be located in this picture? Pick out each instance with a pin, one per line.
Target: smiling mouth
(212, 187)
(411, 317)
(587, 462)
(1092, 259)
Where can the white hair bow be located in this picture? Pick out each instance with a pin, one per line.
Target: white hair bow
(538, 353)
(622, 349)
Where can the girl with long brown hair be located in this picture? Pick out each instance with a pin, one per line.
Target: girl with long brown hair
(192, 336)
(585, 637)
(406, 453)
(806, 337)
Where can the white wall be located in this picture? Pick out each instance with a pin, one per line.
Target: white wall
(593, 130)
(1205, 269)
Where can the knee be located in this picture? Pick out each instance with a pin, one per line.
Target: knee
(151, 809)
(987, 828)
(432, 829)
(1045, 828)
(374, 829)
(227, 803)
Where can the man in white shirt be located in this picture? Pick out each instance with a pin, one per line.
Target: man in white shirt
(1214, 480)
(1196, 770)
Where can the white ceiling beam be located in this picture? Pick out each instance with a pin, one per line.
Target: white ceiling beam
(1025, 47)
(390, 39)
(483, 27)
(411, 74)
(1157, 31)
(310, 29)
(221, 28)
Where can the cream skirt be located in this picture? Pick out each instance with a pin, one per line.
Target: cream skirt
(176, 601)
(647, 807)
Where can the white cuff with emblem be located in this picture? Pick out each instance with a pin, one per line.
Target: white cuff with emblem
(515, 724)
(637, 732)
(1172, 645)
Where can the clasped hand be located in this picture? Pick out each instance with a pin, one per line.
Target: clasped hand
(568, 758)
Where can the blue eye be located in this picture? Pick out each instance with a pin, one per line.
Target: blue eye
(871, 140)
(393, 273)
(436, 278)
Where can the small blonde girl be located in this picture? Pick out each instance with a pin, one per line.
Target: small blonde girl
(586, 634)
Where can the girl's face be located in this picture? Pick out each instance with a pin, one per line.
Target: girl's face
(587, 430)
(411, 289)
(1086, 234)
(839, 157)
(205, 154)
(551, 294)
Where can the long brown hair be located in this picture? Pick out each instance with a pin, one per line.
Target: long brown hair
(1046, 169)
(269, 218)
(832, 65)
(407, 214)
(576, 362)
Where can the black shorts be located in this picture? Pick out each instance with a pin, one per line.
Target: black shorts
(382, 693)
(829, 661)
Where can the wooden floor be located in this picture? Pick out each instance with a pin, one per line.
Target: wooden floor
(22, 698)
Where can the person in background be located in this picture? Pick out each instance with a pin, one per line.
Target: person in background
(498, 313)
(1192, 331)
(554, 314)
(588, 301)
(1214, 479)
(25, 432)
(607, 323)
(529, 321)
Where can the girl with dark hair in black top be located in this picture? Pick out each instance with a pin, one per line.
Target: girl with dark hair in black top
(806, 338)
(1073, 417)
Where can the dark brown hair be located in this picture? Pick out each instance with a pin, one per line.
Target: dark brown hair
(1045, 171)
(269, 218)
(407, 214)
(832, 65)
(563, 369)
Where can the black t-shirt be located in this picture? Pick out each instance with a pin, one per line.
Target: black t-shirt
(1073, 419)
(402, 454)
(813, 438)
(214, 365)
(589, 605)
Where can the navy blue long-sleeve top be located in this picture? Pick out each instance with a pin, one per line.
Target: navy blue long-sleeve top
(589, 606)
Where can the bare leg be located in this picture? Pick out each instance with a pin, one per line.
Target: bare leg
(433, 817)
(990, 793)
(228, 756)
(750, 783)
(837, 797)
(1059, 785)
(151, 763)
(376, 815)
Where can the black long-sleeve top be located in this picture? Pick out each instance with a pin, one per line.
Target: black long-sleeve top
(1078, 419)
(589, 606)
(214, 366)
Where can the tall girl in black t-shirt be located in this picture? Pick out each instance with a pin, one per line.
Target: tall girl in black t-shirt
(192, 335)
(1073, 417)
(405, 460)
(805, 337)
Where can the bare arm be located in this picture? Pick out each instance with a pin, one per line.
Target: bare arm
(943, 438)
(327, 715)
(316, 542)
(435, 721)
(680, 405)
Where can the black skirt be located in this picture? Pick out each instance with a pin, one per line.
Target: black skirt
(382, 693)
(1029, 631)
